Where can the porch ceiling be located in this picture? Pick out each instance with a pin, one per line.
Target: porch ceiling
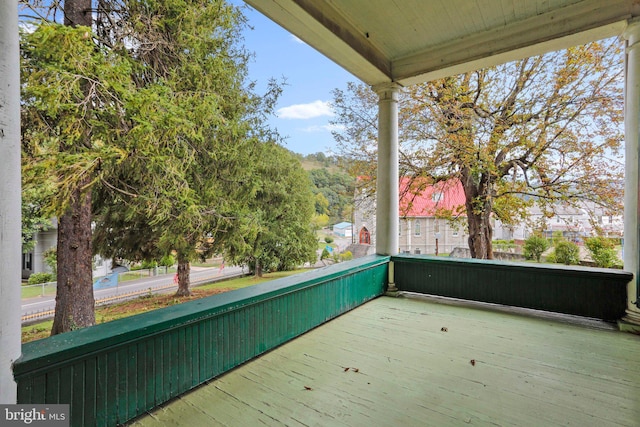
(411, 41)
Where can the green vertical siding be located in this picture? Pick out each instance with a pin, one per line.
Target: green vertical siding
(590, 292)
(113, 372)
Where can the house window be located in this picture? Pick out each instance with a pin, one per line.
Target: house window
(399, 229)
(417, 251)
(455, 233)
(436, 197)
(436, 226)
(27, 261)
(417, 228)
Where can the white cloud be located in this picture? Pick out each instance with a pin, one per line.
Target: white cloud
(306, 111)
(323, 128)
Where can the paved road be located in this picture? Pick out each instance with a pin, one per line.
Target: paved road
(162, 283)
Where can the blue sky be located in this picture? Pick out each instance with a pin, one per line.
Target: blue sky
(303, 111)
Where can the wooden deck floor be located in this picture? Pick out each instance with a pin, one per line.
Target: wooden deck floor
(406, 370)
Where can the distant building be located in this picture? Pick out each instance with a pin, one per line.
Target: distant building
(33, 261)
(423, 230)
(343, 229)
(573, 223)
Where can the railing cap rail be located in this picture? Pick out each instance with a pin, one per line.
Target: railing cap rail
(490, 263)
(62, 347)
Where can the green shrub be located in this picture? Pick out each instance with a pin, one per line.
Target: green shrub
(557, 237)
(346, 256)
(325, 254)
(567, 253)
(503, 245)
(328, 239)
(167, 261)
(534, 246)
(146, 264)
(603, 251)
(37, 278)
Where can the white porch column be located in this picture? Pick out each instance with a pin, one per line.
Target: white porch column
(632, 184)
(10, 243)
(387, 205)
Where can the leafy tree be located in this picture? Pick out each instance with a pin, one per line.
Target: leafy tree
(51, 259)
(534, 247)
(319, 221)
(325, 254)
(276, 232)
(603, 251)
(174, 126)
(196, 125)
(334, 193)
(66, 142)
(566, 252)
(33, 218)
(540, 130)
(167, 261)
(322, 204)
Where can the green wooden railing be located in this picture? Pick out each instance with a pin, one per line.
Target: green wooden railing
(113, 372)
(591, 292)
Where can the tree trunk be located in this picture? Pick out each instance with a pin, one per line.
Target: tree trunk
(480, 235)
(184, 270)
(258, 272)
(74, 295)
(479, 206)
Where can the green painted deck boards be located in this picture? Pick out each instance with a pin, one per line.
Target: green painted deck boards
(404, 370)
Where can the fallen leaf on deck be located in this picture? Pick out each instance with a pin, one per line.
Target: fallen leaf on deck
(473, 362)
(355, 369)
(307, 388)
(443, 329)
(346, 369)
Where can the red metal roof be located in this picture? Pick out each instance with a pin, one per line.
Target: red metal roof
(419, 198)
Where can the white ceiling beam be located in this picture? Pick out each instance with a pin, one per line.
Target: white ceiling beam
(324, 27)
(569, 26)
(451, 69)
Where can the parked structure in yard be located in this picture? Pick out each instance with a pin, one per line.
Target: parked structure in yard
(343, 229)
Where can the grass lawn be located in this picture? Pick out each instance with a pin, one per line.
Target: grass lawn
(146, 303)
(32, 291)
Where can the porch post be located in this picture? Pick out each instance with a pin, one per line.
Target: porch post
(10, 211)
(387, 203)
(632, 146)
